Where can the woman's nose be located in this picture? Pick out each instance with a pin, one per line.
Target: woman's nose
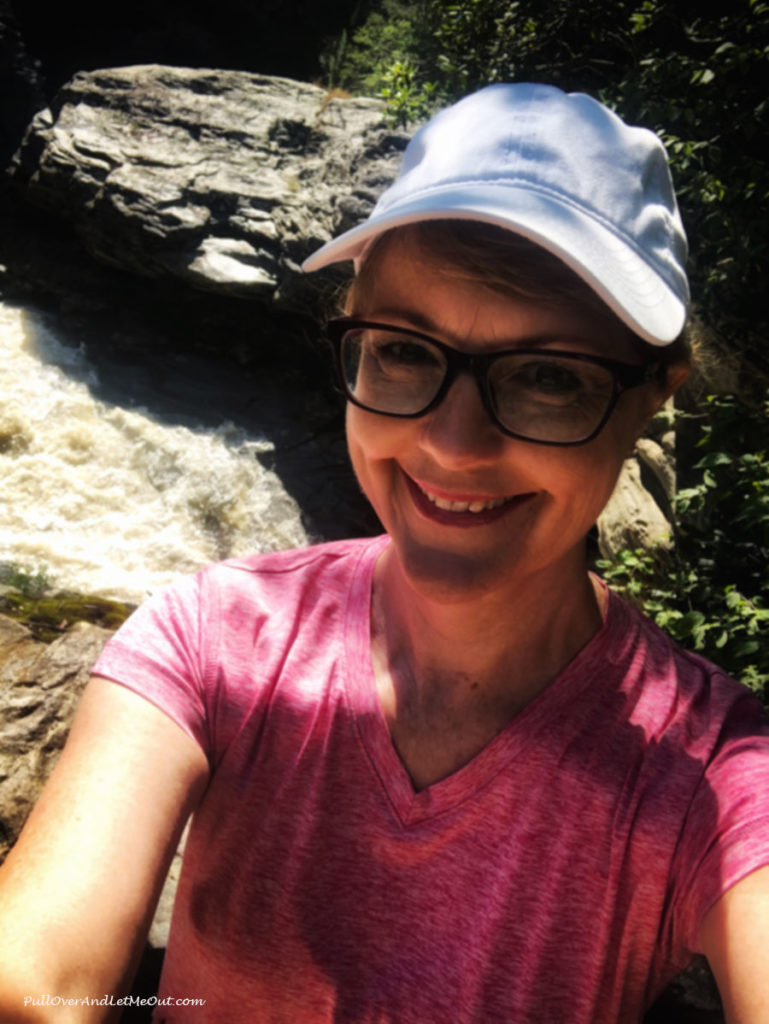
(459, 431)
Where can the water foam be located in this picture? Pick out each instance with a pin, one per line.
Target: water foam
(111, 500)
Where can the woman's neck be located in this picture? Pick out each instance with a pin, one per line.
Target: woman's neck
(534, 623)
(451, 673)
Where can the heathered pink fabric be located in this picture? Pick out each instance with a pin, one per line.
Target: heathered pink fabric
(558, 878)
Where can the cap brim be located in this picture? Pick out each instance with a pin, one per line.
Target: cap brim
(608, 263)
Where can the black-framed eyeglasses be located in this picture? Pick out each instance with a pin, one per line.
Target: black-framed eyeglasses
(541, 395)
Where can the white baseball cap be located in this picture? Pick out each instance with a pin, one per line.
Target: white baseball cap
(563, 171)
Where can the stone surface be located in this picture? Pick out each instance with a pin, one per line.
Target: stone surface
(39, 688)
(40, 685)
(222, 180)
(633, 518)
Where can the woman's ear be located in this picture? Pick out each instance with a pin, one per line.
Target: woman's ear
(668, 379)
(673, 377)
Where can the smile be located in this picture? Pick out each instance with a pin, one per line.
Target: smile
(464, 511)
(476, 505)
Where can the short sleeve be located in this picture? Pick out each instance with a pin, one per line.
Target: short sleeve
(159, 653)
(726, 834)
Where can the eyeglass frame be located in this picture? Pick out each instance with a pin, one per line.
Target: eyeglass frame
(478, 364)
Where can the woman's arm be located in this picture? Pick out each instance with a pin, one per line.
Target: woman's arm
(78, 891)
(735, 939)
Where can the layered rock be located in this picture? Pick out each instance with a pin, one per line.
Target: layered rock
(221, 180)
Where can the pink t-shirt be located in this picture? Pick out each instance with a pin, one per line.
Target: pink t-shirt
(560, 876)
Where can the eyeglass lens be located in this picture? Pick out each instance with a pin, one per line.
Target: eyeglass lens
(533, 394)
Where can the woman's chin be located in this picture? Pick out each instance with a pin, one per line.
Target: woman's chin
(452, 576)
(463, 574)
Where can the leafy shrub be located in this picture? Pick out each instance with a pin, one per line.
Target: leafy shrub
(407, 99)
(711, 592)
(361, 58)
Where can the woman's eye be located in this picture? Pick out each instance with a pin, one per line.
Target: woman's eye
(405, 353)
(552, 378)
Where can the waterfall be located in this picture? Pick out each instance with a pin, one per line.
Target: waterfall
(113, 499)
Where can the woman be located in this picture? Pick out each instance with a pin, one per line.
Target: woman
(441, 775)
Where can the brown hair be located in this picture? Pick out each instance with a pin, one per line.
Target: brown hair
(505, 263)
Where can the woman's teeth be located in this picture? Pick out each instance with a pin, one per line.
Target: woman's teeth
(463, 506)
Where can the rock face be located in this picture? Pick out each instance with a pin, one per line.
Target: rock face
(636, 515)
(222, 180)
(40, 685)
(39, 688)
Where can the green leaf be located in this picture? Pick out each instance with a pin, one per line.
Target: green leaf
(714, 459)
(746, 648)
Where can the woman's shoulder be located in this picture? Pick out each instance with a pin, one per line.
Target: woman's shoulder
(330, 566)
(296, 581)
(671, 684)
(344, 553)
(244, 593)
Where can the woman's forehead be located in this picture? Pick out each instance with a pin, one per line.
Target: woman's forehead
(415, 286)
(501, 259)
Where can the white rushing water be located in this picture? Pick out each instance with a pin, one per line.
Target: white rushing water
(109, 499)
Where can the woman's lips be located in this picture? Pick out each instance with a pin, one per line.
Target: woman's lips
(461, 510)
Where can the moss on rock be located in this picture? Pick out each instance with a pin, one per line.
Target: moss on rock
(52, 614)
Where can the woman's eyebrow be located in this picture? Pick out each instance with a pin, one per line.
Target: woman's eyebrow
(412, 317)
(418, 321)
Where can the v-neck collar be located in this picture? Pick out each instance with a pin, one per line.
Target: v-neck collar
(548, 711)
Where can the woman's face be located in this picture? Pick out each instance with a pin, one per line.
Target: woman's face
(420, 474)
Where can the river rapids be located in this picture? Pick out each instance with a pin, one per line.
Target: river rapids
(109, 497)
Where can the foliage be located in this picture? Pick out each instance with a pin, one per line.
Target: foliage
(407, 100)
(711, 593)
(362, 58)
(31, 582)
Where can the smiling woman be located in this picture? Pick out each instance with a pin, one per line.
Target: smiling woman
(549, 373)
(444, 774)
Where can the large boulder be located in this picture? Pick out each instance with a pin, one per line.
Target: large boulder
(222, 180)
